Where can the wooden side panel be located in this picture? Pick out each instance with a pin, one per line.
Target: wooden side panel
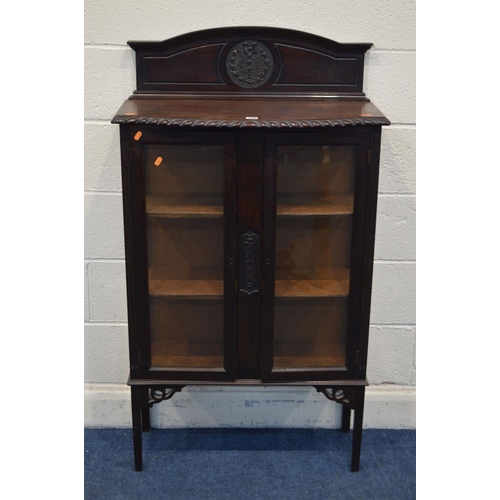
(193, 66)
(135, 253)
(369, 248)
(300, 66)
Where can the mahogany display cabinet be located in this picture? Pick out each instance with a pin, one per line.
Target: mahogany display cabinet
(250, 161)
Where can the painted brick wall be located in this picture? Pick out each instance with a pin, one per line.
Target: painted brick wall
(389, 83)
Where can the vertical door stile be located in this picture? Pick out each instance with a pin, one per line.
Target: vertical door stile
(372, 168)
(250, 158)
(230, 256)
(139, 272)
(268, 256)
(127, 182)
(357, 268)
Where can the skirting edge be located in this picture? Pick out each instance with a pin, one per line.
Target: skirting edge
(386, 407)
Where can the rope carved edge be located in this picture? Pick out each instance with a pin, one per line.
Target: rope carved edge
(192, 122)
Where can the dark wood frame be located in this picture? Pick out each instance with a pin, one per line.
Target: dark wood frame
(190, 111)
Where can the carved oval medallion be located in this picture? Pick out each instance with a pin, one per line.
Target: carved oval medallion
(249, 64)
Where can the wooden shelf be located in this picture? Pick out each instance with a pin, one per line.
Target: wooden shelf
(186, 289)
(162, 361)
(214, 289)
(342, 205)
(312, 288)
(283, 363)
(332, 283)
(159, 206)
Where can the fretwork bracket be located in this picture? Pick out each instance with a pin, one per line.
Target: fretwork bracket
(159, 394)
(340, 395)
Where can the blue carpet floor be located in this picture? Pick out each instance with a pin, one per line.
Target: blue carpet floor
(240, 464)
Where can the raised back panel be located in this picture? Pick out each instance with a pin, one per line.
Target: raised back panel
(250, 61)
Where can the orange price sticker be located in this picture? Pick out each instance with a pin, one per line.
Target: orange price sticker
(138, 136)
(158, 161)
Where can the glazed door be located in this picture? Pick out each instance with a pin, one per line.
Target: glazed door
(315, 204)
(187, 244)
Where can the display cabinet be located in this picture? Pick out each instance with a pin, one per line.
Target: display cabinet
(250, 161)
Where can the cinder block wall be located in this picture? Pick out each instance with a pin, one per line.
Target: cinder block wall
(389, 82)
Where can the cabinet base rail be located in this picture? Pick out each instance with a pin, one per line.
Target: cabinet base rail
(351, 396)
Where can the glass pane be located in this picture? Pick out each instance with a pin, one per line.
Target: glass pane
(184, 203)
(310, 333)
(315, 197)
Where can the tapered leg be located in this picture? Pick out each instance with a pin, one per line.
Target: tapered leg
(346, 419)
(146, 423)
(359, 403)
(136, 427)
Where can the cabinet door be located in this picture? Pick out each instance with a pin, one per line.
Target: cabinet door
(183, 253)
(314, 219)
